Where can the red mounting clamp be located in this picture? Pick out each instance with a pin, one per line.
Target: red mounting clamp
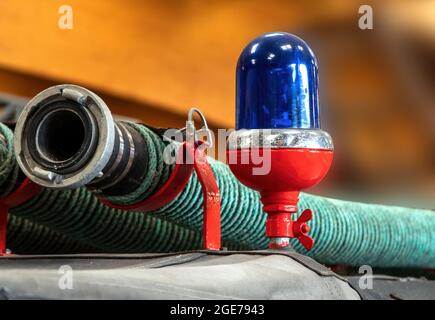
(189, 158)
(212, 202)
(26, 191)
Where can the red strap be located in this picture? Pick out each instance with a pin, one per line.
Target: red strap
(212, 202)
(26, 191)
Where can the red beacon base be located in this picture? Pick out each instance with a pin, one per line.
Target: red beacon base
(291, 170)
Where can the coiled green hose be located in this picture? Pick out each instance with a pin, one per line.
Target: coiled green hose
(344, 232)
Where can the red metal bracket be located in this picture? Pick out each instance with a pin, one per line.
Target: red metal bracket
(26, 191)
(212, 203)
(189, 158)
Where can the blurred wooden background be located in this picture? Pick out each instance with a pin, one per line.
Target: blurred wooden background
(152, 60)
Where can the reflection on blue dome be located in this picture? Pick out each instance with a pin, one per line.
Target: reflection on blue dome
(277, 84)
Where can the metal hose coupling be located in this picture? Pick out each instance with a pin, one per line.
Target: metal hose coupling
(66, 138)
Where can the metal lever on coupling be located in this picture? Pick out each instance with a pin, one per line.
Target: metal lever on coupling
(191, 131)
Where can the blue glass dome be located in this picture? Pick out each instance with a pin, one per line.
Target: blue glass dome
(277, 84)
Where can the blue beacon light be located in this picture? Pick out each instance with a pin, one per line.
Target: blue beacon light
(277, 84)
(277, 110)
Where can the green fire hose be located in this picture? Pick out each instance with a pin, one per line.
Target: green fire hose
(344, 232)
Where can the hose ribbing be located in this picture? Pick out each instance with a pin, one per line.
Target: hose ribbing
(27, 237)
(358, 233)
(81, 216)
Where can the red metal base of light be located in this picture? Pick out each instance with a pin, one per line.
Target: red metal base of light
(291, 170)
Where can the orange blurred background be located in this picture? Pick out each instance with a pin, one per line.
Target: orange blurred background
(152, 60)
